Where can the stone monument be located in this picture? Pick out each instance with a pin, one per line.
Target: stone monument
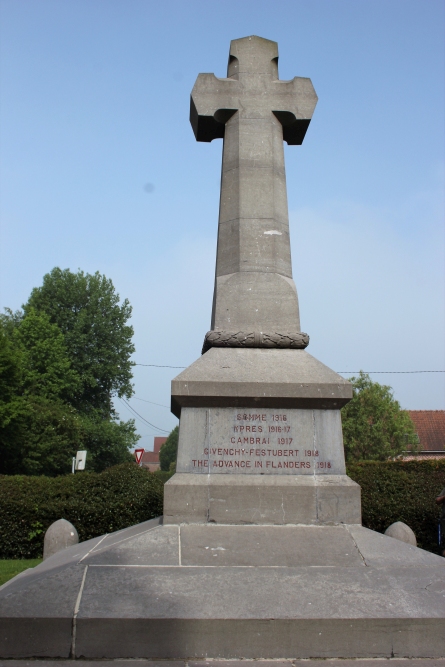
(261, 553)
(260, 438)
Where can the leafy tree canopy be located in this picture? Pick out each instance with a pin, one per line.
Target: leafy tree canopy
(54, 398)
(86, 309)
(374, 425)
(169, 450)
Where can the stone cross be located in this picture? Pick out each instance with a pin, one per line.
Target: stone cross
(255, 299)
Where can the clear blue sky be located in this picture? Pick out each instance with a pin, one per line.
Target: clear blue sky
(94, 106)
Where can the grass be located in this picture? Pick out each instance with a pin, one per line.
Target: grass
(10, 568)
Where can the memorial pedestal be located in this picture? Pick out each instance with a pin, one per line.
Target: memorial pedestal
(260, 441)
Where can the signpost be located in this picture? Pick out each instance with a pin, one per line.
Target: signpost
(79, 461)
(138, 454)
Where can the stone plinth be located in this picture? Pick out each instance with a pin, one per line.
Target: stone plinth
(262, 500)
(260, 441)
(246, 592)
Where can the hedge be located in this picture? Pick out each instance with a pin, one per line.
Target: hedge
(95, 503)
(98, 503)
(401, 491)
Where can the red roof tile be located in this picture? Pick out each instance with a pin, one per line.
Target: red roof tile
(430, 427)
(150, 457)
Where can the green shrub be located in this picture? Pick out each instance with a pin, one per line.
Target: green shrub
(401, 491)
(163, 475)
(95, 503)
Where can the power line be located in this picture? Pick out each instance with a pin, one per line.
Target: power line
(157, 366)
(342, 372)
(140, 416)
(387, 372)
(145, 401)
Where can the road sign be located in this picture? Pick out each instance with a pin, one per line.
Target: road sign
(81, 458)
(138, 454)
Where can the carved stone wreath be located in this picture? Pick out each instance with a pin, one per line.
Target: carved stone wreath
(288, 340)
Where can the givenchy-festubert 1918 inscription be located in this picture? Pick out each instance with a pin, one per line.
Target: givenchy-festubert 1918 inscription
(232, 440)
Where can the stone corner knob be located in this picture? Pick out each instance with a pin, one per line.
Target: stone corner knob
(60, 535)
(400, 531)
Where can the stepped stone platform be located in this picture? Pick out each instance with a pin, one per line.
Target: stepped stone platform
(201, 591)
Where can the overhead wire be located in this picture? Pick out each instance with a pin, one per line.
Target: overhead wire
(152, 403)
(168, 407)
(387, 372)
(342, 372)
(140, 416)
(158, 366)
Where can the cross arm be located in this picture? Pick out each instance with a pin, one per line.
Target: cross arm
(298, 99)
(213, 101)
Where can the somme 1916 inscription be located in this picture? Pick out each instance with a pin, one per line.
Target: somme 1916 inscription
(259, 416)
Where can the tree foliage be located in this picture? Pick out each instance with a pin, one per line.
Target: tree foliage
(94, 325)
(55, 394)
(169, 450)
(374, 425)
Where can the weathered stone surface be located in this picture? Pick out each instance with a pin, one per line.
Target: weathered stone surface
(254, 111)
(261, 499)
(253, 546)
(245, 378)
(262, 441)
(245, 592)
(400, 531)
(60, 535)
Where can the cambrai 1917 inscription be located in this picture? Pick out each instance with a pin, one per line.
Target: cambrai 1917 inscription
(234, 440)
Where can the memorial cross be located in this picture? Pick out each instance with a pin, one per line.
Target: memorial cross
(255, 299)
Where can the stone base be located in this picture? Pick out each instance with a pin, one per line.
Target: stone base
(261, 499)
(229, 592)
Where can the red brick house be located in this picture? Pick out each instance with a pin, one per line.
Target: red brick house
(430, 427)
(150, 460)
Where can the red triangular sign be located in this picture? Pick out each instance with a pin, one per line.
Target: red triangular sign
(138, 454)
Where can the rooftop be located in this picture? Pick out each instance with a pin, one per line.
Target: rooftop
(430, 427)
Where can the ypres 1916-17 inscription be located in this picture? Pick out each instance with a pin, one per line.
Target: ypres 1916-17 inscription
(270, 441)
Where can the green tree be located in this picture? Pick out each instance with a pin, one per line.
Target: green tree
(374, 425)
(99, 341)
(169, 450)
(10, 365)
(46, 366)
(37, 427)
(61, 362)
